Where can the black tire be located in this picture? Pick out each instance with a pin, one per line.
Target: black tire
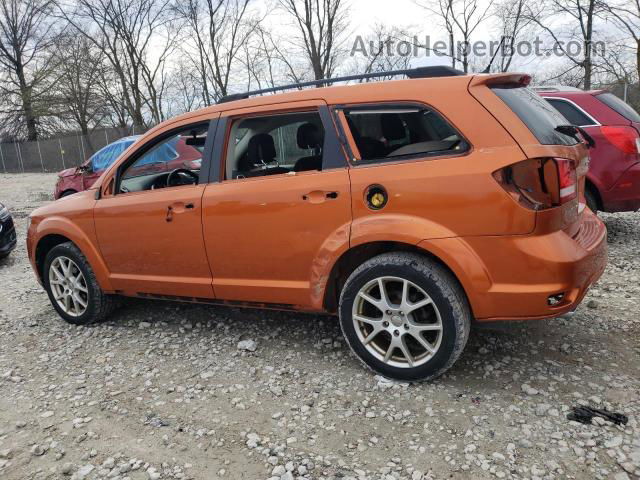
(446, 294)
(99, 304)
(592, 201)
(67, 193)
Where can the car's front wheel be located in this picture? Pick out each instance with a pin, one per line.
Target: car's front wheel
(72, 286)
(405, 316)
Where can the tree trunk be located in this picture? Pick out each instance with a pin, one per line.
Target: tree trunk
(27, 107)
(588, 47)
(638, 57)
(452, 50)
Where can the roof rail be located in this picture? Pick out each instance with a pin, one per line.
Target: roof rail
(421, 72)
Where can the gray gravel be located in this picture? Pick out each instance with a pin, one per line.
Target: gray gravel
(167, 390)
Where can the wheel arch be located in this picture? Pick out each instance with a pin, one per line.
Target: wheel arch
(53, 231)
(593, 188)
(357, 255)
(68, 191)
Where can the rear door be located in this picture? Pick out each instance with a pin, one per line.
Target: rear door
(278, 201)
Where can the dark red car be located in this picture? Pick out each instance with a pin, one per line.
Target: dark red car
(613, 181)
(77, 179)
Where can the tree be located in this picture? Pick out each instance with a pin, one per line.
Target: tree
(220, 29)
(444, 10)
(80, 66)
(626, 15)
(26, 34)
(460, 19)
(320, 27)
(126, 31)
(566, 21)
(386, 48)
(513, 20)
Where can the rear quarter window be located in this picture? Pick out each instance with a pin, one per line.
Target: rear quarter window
(619, 106)
(536, 113)
(572, 113)
(385, 133)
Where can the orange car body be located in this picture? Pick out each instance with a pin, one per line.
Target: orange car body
(280, 242)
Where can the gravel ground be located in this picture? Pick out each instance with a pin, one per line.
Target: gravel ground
(168, 390)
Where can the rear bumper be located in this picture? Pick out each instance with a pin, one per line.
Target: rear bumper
(624, 196)
(513, 277)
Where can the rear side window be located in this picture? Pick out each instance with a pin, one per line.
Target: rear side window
(388, 133)
(275, 144)
(536, 113)
(572, 113)
(619, 106)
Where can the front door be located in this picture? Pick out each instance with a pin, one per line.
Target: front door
(150, 230)
(282, 200)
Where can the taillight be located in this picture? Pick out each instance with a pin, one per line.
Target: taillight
(567, 179)
(540, 183)
(623, 138)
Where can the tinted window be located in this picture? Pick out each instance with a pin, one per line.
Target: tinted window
(536, 113)
(619, 106)
(573, 115)
(392, 133)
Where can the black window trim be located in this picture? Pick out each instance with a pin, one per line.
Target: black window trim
(151, 143)
(594, 123)
(356, 162)
(332, 154)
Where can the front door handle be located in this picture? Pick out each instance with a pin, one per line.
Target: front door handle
(177, 207)
(319, 196)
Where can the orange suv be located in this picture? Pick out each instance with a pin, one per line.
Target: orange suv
(409, 207)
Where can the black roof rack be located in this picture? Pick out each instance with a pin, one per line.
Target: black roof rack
(421, 72)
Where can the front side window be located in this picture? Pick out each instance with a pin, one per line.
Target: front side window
(388, 133)
(274, 144)
(569, 111)
(171, 162)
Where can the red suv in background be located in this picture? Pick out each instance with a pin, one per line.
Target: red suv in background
(613, 180)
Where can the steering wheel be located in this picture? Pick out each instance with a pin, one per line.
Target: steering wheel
(180, 171)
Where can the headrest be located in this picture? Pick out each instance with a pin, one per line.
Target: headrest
(261, 148)
(309, 136)
(392, 126)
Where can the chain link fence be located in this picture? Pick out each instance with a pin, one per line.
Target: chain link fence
(55, 154)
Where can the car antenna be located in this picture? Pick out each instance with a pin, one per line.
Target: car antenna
(488, 69)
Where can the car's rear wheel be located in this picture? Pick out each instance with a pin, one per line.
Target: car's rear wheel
(405, 316)
(66, 193)
(72, 286)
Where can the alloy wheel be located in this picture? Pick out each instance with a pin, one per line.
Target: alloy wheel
(397, 322)
(68, 285)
